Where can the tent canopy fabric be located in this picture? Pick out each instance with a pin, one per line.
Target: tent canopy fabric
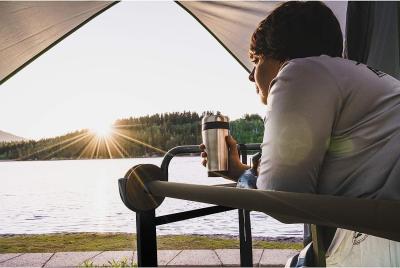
(233, 22)
(27, 29)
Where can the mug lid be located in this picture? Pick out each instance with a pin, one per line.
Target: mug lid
(215, 118)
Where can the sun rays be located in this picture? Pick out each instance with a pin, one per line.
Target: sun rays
(103, 142)
(144, 136)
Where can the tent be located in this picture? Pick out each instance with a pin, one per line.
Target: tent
(371, 31)
(29, 29)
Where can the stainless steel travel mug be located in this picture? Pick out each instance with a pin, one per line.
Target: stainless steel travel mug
(214, 130)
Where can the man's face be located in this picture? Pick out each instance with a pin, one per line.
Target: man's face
(264, 72)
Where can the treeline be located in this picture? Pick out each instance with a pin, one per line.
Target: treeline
(144, 136)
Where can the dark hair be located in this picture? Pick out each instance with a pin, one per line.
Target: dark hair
(297, 30)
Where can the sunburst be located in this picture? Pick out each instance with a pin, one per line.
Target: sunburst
(102, 130)
(99, 141)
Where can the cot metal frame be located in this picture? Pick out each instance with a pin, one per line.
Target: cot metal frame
(146, 222)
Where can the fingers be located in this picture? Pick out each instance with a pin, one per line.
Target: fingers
(202, 147)
(232, 144)
(203, 154)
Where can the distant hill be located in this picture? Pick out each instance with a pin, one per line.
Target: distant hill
(8, 137)
(145, 136)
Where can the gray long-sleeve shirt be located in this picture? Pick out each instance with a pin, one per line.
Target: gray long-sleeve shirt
(332, 127)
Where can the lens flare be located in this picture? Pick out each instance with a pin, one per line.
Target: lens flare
(102, 130)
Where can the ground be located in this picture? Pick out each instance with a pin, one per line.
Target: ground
(66, 242)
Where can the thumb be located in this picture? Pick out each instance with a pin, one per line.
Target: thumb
(234, 154)
(232, 144)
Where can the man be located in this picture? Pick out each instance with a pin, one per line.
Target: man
(332, 125)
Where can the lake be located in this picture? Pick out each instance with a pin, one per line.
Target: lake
(39, 197)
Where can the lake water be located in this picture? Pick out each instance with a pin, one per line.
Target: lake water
(82, 196)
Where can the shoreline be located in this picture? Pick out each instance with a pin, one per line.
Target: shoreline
(65, 242)
(74, 159)
(287, 239)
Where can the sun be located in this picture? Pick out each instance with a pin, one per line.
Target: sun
(102, 130)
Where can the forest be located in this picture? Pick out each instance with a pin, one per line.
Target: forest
(145, 136)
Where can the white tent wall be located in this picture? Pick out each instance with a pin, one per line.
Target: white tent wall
(384, 48)
(373, 35)
(28, 29)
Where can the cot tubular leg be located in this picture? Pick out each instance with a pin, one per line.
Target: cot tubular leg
(246, 245)
(317, 233)
(146, 239)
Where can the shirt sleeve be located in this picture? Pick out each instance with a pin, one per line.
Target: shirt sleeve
(303, 103)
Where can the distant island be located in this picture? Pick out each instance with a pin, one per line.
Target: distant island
(144, 136)
(8, 137)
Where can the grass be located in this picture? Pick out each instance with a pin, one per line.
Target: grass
(112, 263)
(62, 242)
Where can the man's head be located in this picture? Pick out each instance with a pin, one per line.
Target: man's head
(293, 30)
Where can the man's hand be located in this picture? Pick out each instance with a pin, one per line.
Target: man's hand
(236, 167)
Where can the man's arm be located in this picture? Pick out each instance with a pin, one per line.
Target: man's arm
(303, 104)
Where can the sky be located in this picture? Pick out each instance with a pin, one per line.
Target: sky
(136, 58)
